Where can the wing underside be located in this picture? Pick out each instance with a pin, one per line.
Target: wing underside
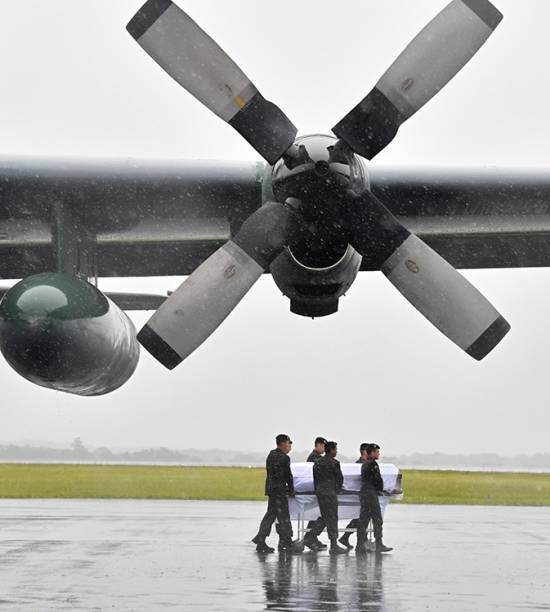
(474, 218)
(158, 218)
(131, 218)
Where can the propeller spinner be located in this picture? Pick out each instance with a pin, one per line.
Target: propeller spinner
(327, 203)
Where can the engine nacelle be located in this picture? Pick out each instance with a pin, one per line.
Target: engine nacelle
(61, 332)
(314, 292)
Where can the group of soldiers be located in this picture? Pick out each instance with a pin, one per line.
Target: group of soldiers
(328, 481)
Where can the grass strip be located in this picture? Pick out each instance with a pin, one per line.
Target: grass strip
(235, 483)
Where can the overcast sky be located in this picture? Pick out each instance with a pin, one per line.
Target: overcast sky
(75, 84)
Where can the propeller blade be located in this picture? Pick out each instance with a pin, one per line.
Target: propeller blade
(428, 63)
(199, 305)
(445, 298)
(199, 65)
(427, 280)
(203, 301)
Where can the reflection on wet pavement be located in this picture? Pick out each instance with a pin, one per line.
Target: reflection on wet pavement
(323, 583)
(154, 555)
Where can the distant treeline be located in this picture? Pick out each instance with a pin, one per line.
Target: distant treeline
(475, 460)
(78, 452)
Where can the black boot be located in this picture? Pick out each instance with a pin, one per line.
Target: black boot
(344, 540)
(310, 542)
(297, 547)
(337, 550)
(320, 545)
(380, 548)
(284, 545)
(263, 548)
(290, 548)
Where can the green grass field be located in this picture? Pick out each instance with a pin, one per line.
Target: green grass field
(144, 482)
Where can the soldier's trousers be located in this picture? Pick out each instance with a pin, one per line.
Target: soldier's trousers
(313, 527)
(277, 509)
(370, 510)
(353, 524)
(328, 505)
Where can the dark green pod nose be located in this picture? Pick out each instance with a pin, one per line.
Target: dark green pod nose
(63, 333)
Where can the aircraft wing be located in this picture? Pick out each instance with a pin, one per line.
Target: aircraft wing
(138, 218)
(475, 218)
(163, 218)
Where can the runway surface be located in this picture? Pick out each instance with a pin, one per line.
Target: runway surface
(170, 555)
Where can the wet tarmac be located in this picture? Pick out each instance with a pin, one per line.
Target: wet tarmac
(160, 555)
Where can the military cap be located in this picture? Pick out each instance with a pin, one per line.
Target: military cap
(282, 438)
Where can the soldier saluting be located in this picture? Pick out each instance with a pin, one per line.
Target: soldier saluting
(328, 480)
(372, 486)
(279, 484)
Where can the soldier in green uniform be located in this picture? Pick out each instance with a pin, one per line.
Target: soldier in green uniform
(318, 449)
(352, 525)
(279, 485)
(328, 480)
(311, 541)
(372, 486)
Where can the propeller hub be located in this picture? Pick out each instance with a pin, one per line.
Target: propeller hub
(318, 168)
(322, 168)
(318, 171)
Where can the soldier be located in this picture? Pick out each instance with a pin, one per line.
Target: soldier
(314, 542)
(352, 525)
(279, 484)
(318, 449)
(328, 480)
(372, 486)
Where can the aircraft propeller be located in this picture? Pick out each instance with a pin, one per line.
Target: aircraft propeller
(429, 282)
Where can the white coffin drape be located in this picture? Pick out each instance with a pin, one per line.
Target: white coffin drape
(304, 504)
